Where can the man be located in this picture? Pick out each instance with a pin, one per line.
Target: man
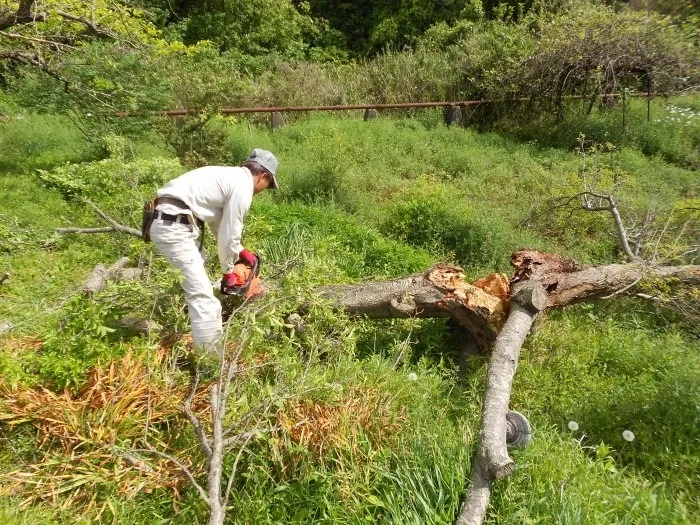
(219, 196)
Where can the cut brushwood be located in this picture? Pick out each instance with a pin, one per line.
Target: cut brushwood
(97, 280)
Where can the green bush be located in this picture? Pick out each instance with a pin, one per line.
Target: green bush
(432, 218)
(287, 230)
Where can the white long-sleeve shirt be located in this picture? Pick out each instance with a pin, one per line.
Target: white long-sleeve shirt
(221, 197)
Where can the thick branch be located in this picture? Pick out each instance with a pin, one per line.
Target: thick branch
(114, 225)
(100, 275)
(23, 15)
(89, 25)
(104, 229)
(567, 282)
(493, 461)
(439, 292)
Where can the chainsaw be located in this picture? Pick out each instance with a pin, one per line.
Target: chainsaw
(241, 289)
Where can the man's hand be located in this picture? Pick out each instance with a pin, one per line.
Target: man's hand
(230, 280)
(248, 257)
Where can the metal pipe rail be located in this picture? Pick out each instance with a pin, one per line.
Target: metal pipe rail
(344, 107)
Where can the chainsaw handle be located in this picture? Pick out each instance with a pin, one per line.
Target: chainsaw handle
(241, 290)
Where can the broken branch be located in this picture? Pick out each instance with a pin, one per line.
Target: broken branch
(492, 460)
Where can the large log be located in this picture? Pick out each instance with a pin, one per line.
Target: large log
(568, 282)
(492, 459)
(439, 292)
(482, 307)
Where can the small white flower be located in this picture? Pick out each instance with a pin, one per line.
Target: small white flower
(628, 435)
(88, 114)
(413, 376)
(573, 426)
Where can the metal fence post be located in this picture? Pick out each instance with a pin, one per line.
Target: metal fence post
(276, 120)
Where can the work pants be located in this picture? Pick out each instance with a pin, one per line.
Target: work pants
(178, 244)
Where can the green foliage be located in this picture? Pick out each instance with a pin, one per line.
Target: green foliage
(428, 217)
(29, 141)
(108, 180)
(616, 368)
(393, 185)
(250, 28)
(290, 231)
(672, 134)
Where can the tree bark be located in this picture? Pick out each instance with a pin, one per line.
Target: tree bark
(567, 282)
(482, 307)
(439, 292)
(97, 280)
(492, 460)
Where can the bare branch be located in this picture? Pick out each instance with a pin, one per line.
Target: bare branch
(90, 25)
(115, 226)
(183, 468)
(100, 275)
(492, 460)
(194, 420)
(36, 40)
(103, 229)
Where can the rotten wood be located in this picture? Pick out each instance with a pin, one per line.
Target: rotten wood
(568, 282)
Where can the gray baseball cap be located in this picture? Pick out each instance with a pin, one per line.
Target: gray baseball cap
(268, 161)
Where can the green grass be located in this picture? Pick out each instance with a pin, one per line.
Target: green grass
(374, 200)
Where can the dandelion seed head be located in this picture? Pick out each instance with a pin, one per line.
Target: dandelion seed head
(573, 426)
(413, 376)
(628, 435)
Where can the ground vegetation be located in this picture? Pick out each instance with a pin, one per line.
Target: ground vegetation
(334, 418)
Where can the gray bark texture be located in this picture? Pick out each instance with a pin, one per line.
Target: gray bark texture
(439, 292)
(567, 282)
(215, 463)
(97, 280)
(492, 460)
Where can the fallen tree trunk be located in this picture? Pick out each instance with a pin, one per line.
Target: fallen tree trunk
(488, 311)
(439, 292)
(481, 307)
(567, 282)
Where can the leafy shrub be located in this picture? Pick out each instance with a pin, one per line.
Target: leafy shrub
(359, 251)
(434, 219)
(113, 178)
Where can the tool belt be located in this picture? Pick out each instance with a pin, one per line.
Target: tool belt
(150, 214)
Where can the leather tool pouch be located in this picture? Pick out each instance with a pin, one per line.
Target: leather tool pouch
(149, 214)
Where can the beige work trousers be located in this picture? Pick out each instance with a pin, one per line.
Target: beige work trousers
(177, 242)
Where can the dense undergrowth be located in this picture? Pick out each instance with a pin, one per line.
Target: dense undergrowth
(396, 424)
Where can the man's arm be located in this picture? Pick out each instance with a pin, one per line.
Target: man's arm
(231, 228)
